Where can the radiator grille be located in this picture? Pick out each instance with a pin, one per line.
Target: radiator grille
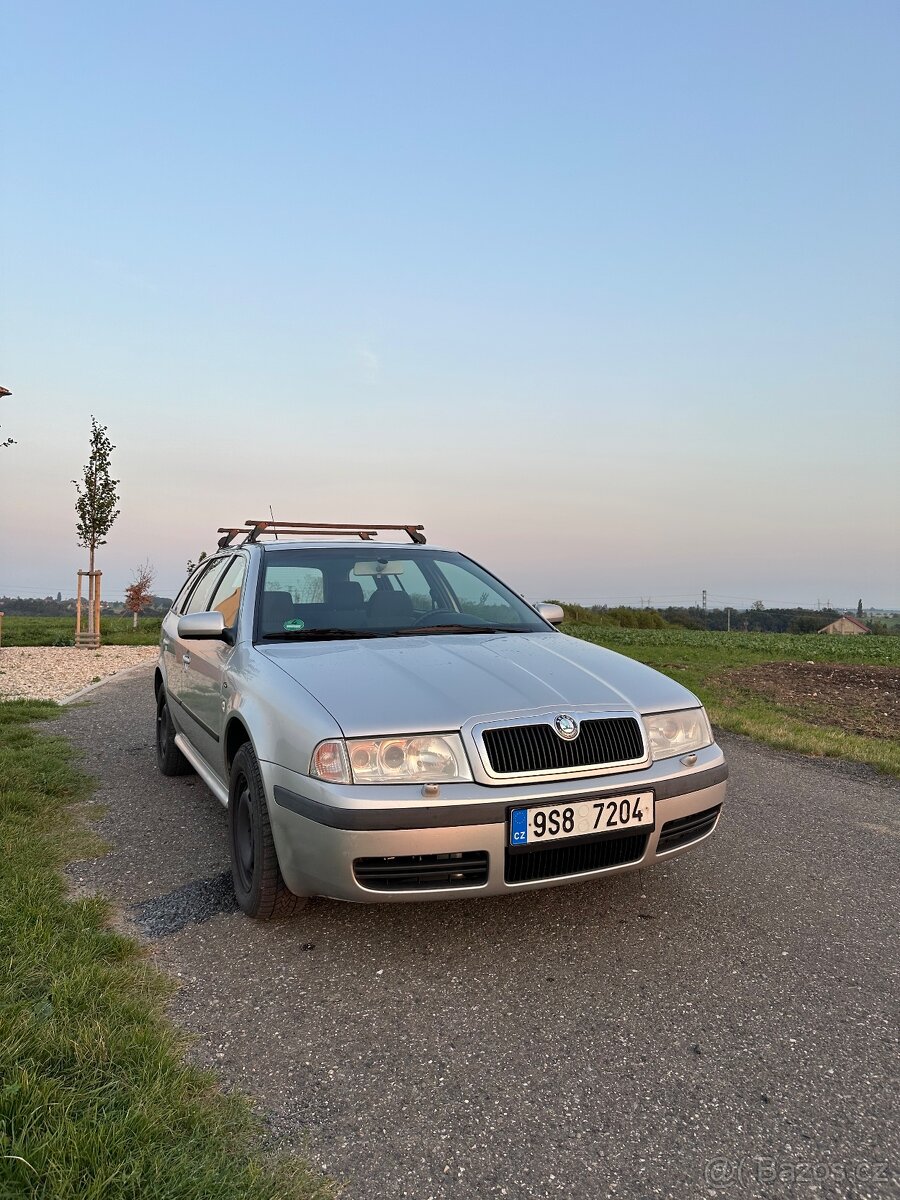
(529, 749)
(554, 860)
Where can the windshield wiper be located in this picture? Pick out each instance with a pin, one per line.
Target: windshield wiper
(454, 629)
(317, 635)
(328, 635)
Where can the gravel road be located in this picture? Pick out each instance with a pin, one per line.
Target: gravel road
(725, 1026)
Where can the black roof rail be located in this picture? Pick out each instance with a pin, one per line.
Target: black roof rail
(253, 530)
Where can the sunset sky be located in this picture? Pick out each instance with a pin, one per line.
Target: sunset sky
(608, 296)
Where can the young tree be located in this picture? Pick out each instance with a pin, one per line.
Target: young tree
(859, 612)
(95, 505)
(138, 594)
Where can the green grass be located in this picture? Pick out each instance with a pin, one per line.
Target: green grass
(95, 1100)
(697, 659)
(60, 631)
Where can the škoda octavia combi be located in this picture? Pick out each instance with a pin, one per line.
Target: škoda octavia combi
(389, 721)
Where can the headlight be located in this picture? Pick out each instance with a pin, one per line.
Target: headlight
(673, 733)
(424, 758)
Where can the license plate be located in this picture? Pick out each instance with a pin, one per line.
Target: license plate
(528, 826)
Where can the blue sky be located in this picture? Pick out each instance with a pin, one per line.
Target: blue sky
(606, 295)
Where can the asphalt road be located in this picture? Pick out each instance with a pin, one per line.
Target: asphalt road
(723, 1026)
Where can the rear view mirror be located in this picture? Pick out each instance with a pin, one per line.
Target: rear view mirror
(551, 612)
(380, 567)
(202, 625)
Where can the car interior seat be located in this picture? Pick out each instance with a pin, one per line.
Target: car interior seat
(345, 603)
(277, 607)
(386, 608)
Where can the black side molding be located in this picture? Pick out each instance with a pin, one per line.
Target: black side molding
(206, 729)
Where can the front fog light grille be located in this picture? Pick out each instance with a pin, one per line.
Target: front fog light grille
(687, 829)
(414, 872)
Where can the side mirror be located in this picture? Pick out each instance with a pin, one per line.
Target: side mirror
(551, 612)
(202, 625)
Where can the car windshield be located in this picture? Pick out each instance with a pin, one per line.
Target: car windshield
(316, 593)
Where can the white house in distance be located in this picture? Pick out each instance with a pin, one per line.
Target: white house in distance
(847, 626)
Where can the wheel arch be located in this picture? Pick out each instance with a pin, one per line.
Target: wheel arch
(236, 735)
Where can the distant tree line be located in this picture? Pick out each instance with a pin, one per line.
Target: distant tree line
(752, 620)
(625, 618)
(47, 606)
(756, 619)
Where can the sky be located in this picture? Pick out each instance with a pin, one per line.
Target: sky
(605, 295)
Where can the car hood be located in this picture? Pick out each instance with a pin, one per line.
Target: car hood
(438, 682)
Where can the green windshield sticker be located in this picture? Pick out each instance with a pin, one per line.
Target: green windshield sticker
(291, 626)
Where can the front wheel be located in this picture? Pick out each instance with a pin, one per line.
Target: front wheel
(258, 886)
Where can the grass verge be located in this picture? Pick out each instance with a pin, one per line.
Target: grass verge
(95, 1100)
(60, 631)
(699, 660)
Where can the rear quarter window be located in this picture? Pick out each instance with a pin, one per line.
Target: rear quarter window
(304, 585)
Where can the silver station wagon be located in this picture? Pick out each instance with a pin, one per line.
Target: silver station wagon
(389, 721)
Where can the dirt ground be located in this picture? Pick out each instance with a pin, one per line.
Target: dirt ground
(858, 698)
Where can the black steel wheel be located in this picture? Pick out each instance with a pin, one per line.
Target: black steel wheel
(260, 890)
(169, 758)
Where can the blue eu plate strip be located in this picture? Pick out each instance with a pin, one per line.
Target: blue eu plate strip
(518, 834)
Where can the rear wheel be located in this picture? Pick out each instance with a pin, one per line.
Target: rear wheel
(169, 758)
(260, 890)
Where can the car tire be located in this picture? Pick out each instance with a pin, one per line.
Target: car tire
(169, 758)
(258, 886)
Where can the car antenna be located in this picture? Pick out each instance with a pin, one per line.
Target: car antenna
(272, 515)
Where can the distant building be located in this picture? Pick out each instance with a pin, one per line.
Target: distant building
(846, 625)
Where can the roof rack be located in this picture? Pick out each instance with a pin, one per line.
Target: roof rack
(253, 530)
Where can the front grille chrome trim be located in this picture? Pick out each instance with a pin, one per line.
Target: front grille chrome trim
(539, 752)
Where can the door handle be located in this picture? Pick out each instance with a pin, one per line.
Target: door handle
(165, 643)
(186, 659)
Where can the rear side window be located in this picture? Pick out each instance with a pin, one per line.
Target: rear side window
(202, 593)
(190, 583)
(227, 597)
(303, 584)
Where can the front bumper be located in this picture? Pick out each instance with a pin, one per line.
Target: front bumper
(322, 830)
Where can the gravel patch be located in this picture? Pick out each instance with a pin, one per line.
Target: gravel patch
(54, 672)
(193, 902)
